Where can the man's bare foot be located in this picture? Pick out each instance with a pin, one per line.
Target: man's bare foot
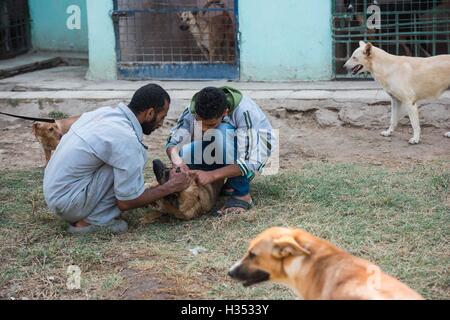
(81, 224)
(246, 198)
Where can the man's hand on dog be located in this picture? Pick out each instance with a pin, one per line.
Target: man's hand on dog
(203, 177)
(179, 181)
(181, 167)
(176, 160)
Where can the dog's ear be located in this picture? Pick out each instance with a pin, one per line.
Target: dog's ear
(368, 49)
(287, 246)
(162, 173)
(350, 7)
(362, 44)
(35, 126)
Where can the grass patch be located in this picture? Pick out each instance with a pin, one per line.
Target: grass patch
(57, 115)
(13, 102)
(399, 220)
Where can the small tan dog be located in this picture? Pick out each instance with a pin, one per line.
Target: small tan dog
(48, 131)
(189, 204)
(214, 35)
(407, 80)
(315, 269)
(49, 134)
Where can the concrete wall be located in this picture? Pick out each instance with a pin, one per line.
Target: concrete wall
(280, 40)
(102, 41)
(285, 40)
(49, 26)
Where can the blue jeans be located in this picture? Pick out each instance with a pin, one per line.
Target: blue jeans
(225, 142)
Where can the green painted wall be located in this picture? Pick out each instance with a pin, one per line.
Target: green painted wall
(285, 40)
(49, 29)
(102, 41)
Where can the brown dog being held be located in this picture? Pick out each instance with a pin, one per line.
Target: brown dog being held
(191, 203)
(315, 269)
(49, 134)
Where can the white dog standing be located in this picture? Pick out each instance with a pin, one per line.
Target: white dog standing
(407, 80)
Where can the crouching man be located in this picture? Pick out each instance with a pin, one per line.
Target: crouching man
(223, 135)
(97, 170)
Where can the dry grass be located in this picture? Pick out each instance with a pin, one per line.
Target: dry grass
(399, 220)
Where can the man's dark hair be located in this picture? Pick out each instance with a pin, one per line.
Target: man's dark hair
(149, 96)
(210, 103)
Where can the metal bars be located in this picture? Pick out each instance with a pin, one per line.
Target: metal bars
(419, 28)
(168, 34)
(14, 28)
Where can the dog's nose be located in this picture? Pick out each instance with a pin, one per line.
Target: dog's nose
(233, 272)
(346, 67)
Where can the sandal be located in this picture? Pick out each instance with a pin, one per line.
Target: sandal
(115, 226)
(234, 203)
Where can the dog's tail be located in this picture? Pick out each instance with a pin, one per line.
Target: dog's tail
(29, 118)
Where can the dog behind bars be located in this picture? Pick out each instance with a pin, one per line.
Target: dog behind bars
(214, 35)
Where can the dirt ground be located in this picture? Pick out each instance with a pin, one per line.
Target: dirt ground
(302, 140)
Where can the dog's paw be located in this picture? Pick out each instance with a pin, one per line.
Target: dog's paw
(447, 135)
(414, 141)
(150, 217)
(386, 133)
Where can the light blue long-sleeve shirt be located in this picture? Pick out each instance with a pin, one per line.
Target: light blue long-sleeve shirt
(111, 136)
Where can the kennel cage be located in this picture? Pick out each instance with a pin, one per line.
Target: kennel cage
(154, 39)
(419, 28)
(14, 28)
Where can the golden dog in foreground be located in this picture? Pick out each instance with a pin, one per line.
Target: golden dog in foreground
(315, 269)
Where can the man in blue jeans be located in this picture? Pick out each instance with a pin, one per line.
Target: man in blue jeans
(222, 135)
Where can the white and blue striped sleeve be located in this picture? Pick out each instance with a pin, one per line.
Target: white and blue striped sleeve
(254, 140)
(181, 132)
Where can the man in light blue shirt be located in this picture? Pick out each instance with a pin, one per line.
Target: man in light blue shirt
(97, 170)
